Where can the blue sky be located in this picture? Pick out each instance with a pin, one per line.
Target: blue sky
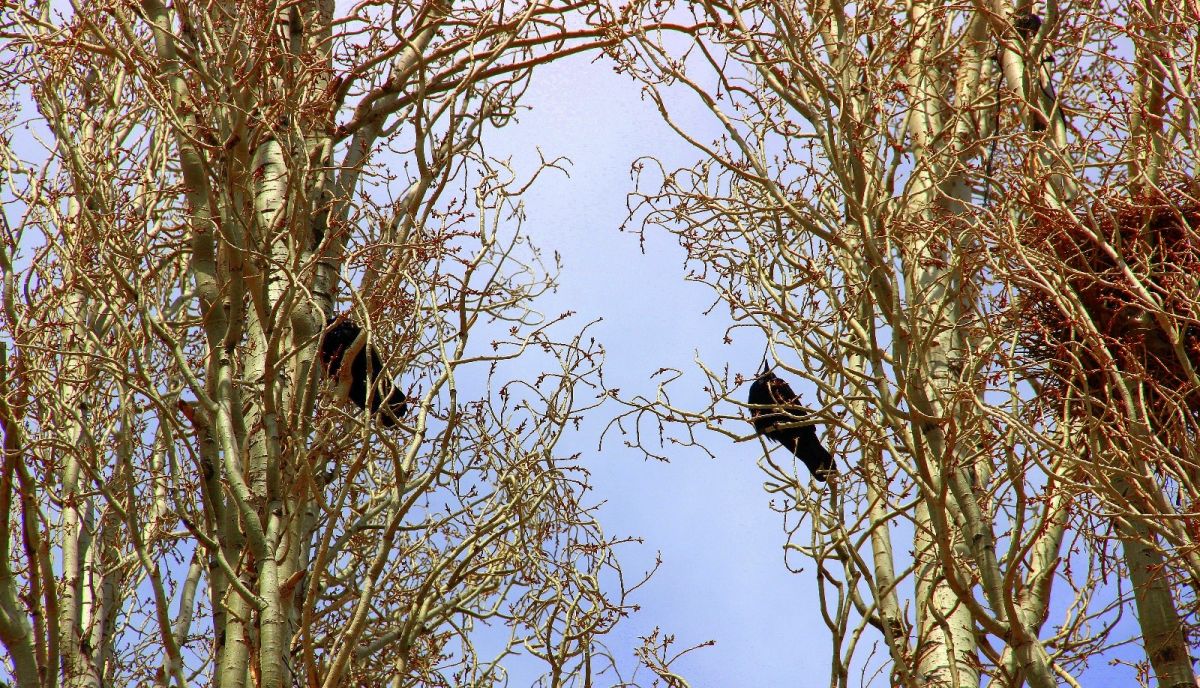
(723, 576)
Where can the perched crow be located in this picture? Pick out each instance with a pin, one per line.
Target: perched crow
(777, 406)
(1027, 25)
(339, 337)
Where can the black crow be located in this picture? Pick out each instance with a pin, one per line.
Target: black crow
(340, 337)
(775, 404)
(1027, 25)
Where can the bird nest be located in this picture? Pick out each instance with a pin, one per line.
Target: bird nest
(1112, 292)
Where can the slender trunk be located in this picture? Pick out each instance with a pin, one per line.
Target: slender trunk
(1163, 634)
(29, 666)
(946, 632)
(77, 523)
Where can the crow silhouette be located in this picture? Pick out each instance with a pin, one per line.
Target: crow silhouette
(339, 338)
(773, 403)
(1027, 25)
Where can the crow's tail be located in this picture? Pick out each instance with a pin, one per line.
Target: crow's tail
(395, 406)
(808, 449)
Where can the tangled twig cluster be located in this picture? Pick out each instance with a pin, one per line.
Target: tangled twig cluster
(1128, 302)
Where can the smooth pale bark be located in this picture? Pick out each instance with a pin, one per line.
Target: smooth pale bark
(1163, 635)
(16, 633)
(78, 519)
(946, 631)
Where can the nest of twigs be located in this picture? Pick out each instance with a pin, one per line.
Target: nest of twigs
(1117, 297)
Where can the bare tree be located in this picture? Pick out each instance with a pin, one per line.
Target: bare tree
(973, 230)
(191, 190)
